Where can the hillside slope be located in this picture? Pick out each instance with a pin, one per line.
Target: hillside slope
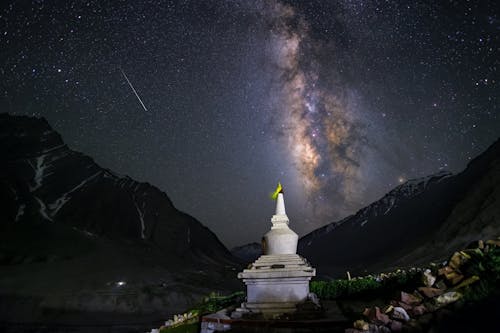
(421, 220)
(76, 237)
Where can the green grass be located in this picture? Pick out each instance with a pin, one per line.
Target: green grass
(366, 285)
(210, 304)
(213, 302)
(486, 265)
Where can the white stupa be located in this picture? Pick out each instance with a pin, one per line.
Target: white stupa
(279, 279)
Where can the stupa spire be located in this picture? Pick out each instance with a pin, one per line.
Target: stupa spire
(280, 205)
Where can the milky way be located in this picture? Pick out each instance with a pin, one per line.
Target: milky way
(323, 135)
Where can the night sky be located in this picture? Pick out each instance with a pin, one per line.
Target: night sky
(339, 100)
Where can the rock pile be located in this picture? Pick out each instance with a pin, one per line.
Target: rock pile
(178, 320)
(441, 286)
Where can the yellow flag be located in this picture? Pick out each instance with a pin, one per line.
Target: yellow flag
(279, 189)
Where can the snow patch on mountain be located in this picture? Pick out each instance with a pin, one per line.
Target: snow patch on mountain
(392, 200)
(406, 190)
(415, 186)
(61, 201)
(51, 149)
(382, 206)
(141, 218)
(39, 172)
(43, 209)
(20, 211)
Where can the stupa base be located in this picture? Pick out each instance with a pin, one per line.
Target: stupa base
(276, 284)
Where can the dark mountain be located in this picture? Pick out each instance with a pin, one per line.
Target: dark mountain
(419, 221)
(76, 237)
(247, 253)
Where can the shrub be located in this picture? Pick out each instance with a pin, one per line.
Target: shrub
(487, 266)
(345, 288)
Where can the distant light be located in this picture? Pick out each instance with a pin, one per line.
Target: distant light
(401, 180)
(121, 283)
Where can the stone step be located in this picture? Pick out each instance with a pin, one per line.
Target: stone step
(279, 263)
(261, 274)
(270, 308)
(279, 266)
(269, 305)
(280, 259)
(265, 256)
(286, 267)
(273, 270)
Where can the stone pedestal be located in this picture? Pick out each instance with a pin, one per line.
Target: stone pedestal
(276, 283)
(278, 280)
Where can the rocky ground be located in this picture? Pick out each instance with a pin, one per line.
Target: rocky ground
(461, 294)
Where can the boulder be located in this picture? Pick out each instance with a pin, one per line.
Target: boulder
(467, 282)
(400, 314)
(447, 298)
(430, 292)
(353, 330)
(314, 299)
(445, 270)
(451, 274)
(479, 244)
(410, 299)
(396, 326)
(419, 310)
(379, 329)
(387, 309)
(493, 242)
(458, 259)
(455, 278)
(376, 316)
(441, 285)
(404, 305)
(427, 278)
(361, 325)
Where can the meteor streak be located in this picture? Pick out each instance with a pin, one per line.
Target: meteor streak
(133, 89)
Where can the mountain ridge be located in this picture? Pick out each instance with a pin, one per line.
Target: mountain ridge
(408, 189)
(97, 243)
(381, 241)
(62, 199)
